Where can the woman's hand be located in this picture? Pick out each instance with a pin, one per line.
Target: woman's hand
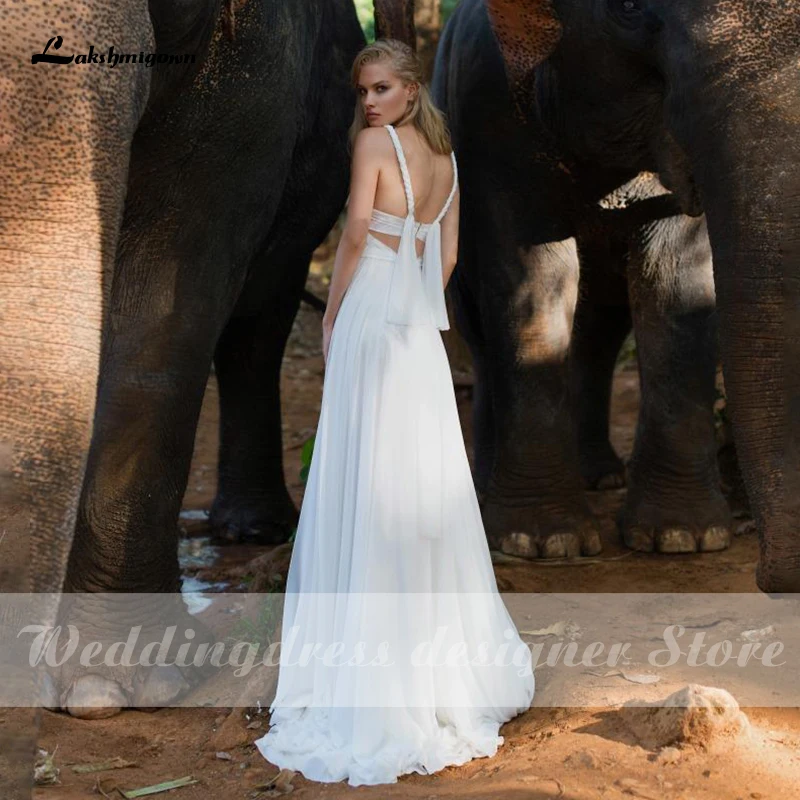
(327, 331)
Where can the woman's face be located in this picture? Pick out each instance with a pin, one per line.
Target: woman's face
(382, 94)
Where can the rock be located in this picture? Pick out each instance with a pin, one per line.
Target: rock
(699, 716)
(669, 755)
(583, 758)
(231, 734)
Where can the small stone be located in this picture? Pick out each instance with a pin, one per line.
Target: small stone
(706, 773)
(222, 756)
(668, 755)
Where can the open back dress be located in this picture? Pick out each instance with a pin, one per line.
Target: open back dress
(390, 577)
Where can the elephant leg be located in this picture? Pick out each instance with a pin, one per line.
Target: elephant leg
(156, 359)
(252, 499)
(674, 502)
(483, 425)
(602, 322)
(467, 321)
(535, 504)
(151, 389)
(65, 137)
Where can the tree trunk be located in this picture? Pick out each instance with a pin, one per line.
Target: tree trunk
(428, 21)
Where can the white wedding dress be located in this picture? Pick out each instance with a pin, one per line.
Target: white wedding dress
(390, 551)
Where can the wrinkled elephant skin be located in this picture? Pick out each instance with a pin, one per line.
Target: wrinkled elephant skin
(153, 219)
(576, 125)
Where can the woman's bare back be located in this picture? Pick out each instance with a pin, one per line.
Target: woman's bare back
(431, 181)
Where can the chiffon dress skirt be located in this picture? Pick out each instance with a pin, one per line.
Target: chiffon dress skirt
(398, 654)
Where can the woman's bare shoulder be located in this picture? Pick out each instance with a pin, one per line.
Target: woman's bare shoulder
(373, 140)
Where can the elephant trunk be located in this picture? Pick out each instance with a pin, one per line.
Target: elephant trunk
(746, 158)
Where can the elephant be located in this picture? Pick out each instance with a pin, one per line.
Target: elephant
(155, 217)
(629, 163)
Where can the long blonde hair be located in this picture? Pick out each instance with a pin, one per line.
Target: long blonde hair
(422, 112)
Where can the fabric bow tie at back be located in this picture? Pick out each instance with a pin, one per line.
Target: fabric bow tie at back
(416, 295)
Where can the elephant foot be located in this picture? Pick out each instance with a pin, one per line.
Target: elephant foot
(93, 696)
(529, 532)
(266, 523)
(116, 665)
(677, 527)
(602, 468)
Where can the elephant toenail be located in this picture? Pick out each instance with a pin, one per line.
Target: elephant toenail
(676, 540)
(717, 537)
(94, 697)
(592, 544)
(519, 544)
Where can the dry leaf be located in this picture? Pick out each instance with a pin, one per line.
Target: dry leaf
(633, 677)
(102, 766)
(157, 788)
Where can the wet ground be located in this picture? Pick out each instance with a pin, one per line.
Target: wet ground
(548, 752)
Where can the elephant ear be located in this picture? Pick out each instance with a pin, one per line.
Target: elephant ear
(394, 19)
(527, 31)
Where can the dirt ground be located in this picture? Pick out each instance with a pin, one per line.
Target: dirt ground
(572, 753)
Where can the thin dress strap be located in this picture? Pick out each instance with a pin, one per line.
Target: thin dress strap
(401, 157)
(452, 190)
(416, 295)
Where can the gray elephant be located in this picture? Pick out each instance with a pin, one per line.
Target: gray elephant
(154, 217)
(606, 149)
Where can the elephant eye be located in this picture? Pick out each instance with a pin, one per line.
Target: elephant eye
(627, 12)
(629, 7)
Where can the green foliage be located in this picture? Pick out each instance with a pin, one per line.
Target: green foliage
(366, 16)
(305, 458)
(261, 630)
(448, 7)
(627, 353)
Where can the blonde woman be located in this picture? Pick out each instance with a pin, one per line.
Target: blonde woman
(398, 654)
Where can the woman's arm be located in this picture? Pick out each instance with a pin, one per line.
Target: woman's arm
(449, 227)
(367, 151)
